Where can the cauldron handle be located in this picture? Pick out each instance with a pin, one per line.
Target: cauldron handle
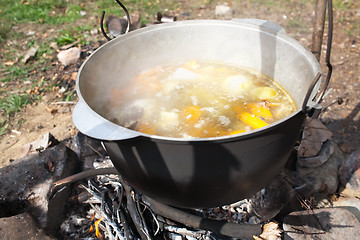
(102, 20)
(310, 111)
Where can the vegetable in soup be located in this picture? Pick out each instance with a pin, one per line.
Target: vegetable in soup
(199, 99)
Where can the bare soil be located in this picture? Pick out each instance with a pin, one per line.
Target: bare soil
(343, 120)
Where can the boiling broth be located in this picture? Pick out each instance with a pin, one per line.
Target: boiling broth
(198, 99)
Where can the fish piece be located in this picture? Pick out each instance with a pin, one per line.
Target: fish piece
(183, 74)
(168, 119)
(236, 84)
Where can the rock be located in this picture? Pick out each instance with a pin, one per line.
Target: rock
(325, 177)
(69, 56)
(314, 135)
(347, 147)
(350, 204)
(268, 202)
(94, 32)
(87, 149)
(223, 11)
(39, 145)
(135, 19)
(30, 53)
(349, 172)
(324, 224)
(164, 18)
(282, 195)
(326, 150)
(116, 26)
(348, 192)
(53, 45)
(24, 185)
(21, 226)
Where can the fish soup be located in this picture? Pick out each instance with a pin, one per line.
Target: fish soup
(198, 99)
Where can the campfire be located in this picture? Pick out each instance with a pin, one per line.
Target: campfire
(113, 210)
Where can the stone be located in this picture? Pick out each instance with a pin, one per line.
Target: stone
(347, 147)
(350, 204)
(314, 135)
(69, 56)
(87, 149)
(268, 202)
(53, 45)
(349, 172)
(135, 19)
(116, 26)
(310, 162)
(39, 145)
(21, 226)
(324, 224)
(25, 183)
(29, 54)
(94, 32)
(223, 11)
(325, 177)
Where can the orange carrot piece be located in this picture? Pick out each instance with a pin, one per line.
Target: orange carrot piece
(147, 128)
(192, 114)
(251, 120)
(259, 111)
(236, 132)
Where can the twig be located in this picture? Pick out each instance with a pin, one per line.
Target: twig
(185, 232)
(80, 176)
(63, 102)
(98, 153)
(134, 214)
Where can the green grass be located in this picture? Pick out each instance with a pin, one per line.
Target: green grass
(53, 12)
(13, 103)
(40, 11)
(343, 5)
(3, 128)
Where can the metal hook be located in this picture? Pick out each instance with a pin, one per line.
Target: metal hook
(328, 49)
(321, 95)
(127, 16)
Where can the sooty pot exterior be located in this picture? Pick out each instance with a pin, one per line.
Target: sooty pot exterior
(205, 173)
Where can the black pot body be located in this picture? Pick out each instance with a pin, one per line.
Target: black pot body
(205, 174)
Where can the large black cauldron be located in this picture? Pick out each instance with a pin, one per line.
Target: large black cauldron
(205, 172)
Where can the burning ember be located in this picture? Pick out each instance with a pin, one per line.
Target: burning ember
(95, 225)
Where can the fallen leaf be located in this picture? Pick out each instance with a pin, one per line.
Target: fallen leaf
(30, 53)
(9, 63)
(271, 231)
(74, 75)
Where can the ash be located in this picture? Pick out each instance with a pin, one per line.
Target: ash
(106, 209)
